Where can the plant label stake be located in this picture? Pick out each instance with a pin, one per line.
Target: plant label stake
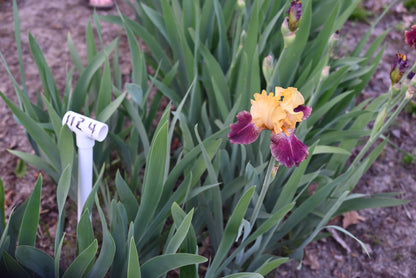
(87, 131)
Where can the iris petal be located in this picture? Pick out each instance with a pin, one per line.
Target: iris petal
(244, 131)
(288, 150)
(305, 109)
(410, 37)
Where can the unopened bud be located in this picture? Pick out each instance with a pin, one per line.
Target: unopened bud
(378, 123)
(288, 36)
(285, 27)
(274, 172)
(333, 40)
(398, 68)
(325, 72)
(243, 37)
(410, 92)
(241, 4)
(268, 67)
(294, 15)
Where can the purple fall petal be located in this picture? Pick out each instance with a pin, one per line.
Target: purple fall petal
(305, 109)
(288, 150)
(244, 131)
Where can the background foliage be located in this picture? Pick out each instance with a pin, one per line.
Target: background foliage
(158, 204)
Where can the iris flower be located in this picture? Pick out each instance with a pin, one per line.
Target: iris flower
(278, 112)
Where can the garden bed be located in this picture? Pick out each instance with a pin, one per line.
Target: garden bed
(389, 233)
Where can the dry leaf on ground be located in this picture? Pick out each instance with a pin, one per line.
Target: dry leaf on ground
(350, 218)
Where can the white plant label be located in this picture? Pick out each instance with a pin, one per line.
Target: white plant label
(81, 124)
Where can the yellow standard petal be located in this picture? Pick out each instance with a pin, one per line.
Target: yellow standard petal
(290, 99)
(276, 111)
(266, 112)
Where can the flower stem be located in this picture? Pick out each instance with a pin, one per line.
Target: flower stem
(373, 138)
(270, 174)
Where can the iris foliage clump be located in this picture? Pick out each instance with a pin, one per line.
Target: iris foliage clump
(159, 202)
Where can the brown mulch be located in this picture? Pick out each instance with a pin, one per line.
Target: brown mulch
(389, 233)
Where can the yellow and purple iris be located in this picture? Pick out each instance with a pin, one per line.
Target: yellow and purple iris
(279, 112)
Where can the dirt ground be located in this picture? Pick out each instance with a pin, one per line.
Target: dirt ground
(389, 233)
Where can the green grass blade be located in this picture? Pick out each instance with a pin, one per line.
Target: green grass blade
(268, 266)
(190, 243)
(372, 201)
(90, 200)
(216, 227)
(46, 144)
(223, 47)
(133, 266)
(151, 42)
(37, 162)
(138, 124)
(64, 184)
(23, 98)
(104, 94)
(159, 265)
(153, 182)
(108, 111)
(58, 250)
(328, 149)
(127, 197)
(66, 146)
(13, 268)
(85, 234)
(80, 265)
(30, 221)
(118, 227)
(48, 82)
(135, 91)
(90, 42)
(98, 27)
(74, 54)
(269, 29)
(167, 91)
(54, 118)
(157, 19)
(175, 242)
(14, 226)
(178, 44)
(139, 72)
(36, 260)
(116, 67)
(267, 225)
(163, 211)
(350, 235)
(17, 34)
(108, 249)
(230, 233)
(84, 81)
(346, 13)
(328, 215)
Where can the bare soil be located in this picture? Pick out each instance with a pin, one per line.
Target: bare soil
(389, 233)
